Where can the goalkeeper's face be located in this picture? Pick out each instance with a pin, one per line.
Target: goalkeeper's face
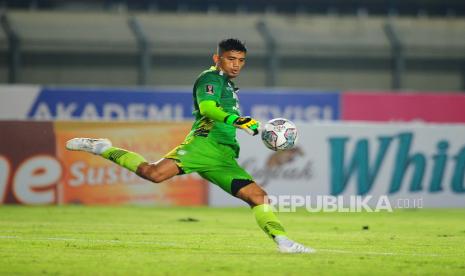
(230, 62)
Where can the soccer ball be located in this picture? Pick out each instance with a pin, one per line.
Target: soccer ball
(279, 134)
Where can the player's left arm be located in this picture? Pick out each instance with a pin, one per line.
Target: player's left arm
(212, 111)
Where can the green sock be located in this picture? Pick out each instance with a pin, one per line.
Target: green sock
(128, 159)
(268, 221)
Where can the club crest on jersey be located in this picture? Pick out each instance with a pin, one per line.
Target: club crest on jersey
(209, 89)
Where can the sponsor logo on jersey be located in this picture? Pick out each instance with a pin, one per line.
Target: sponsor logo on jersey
(209, 89)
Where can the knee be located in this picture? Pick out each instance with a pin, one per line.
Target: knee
(150, 172)
(258, 198)
(156, 177)
(253, 196)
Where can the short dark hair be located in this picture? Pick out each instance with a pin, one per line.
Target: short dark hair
(231, 44)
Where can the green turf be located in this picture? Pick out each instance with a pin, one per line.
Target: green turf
(142, 240)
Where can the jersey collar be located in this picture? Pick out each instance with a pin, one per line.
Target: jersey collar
(221, 73)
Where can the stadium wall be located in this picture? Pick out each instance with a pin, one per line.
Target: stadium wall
(415, 162)
(411, 150)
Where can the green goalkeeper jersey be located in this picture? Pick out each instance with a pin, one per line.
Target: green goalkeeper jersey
(213, 85)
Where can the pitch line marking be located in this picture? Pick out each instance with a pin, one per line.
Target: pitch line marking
(177, 245)
(378, 253)
(88, 240)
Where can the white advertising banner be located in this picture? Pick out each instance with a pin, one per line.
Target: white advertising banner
(17, 100)
(412, 165)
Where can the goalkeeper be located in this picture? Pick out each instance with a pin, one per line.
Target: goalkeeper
(211, 148)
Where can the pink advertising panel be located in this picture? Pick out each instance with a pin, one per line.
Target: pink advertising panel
(389, 106)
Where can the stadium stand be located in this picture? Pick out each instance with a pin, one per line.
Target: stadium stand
(352, 47)
(434, 50)
(301, 51)
(343, 7)
(3, 57)
(92, 47)
(182, 45)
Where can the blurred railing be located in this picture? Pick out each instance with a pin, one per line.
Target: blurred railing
(344, 7)
(328, 52)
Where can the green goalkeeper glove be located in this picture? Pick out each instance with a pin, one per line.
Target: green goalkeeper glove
(247, 124)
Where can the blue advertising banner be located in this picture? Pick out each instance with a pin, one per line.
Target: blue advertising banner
(111, 104)
(161, 105)
(296, 106)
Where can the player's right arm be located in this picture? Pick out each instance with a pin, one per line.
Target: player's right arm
(211, 110)
(208, 92)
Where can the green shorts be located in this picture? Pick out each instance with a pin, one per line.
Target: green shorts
(213, 161)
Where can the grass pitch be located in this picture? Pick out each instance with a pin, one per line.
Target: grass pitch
(77, 240)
